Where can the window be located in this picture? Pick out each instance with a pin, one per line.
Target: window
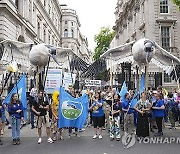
(167, 78)
(65, 33)
(164, 6)
(66, 22)
(165, 37)
(44, 35)
(72, 33)
(72, 24)
(17, 4)
(38, 30)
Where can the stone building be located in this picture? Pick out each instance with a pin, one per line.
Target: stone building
(158, 20)
(42, 21)
(71, 34)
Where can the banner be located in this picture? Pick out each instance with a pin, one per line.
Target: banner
(123, 91)
(21, 89)
(53, 80)
(93, 83)
(72, 111)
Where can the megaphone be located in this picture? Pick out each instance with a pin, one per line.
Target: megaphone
(12, 67)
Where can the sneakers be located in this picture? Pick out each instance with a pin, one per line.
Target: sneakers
(40, 141)
(100, 137)
(18, 141)
(95, 136)
(14, 141)
(50, 140)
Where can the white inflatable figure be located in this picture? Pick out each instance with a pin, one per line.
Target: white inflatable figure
(142, 52)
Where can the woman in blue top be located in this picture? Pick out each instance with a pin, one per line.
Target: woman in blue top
(97, 114)
(158, 112)
(15, 109)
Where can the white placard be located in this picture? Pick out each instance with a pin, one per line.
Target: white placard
(93, 83)
(69, 79)
(53, 80)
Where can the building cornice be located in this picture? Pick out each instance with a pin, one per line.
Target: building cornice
(18, 17)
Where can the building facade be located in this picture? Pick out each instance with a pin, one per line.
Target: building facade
(157, 20)
(72, 36)
(42, 21)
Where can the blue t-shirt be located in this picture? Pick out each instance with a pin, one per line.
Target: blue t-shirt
(12, 110)
(126, 105)
(158, 112)
(98, 111)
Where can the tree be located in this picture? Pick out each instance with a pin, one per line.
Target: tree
(103, 40)
(177, 2)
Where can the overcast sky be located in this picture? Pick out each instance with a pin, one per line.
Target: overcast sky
(93, 15)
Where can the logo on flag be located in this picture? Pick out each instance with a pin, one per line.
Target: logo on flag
(72, 111)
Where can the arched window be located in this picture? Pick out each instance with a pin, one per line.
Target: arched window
(65, 33)
(72, 33)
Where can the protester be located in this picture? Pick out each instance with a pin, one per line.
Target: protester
(128, 115)
(0, 120)
(97, 115)
(114, 118)
(54, 107)
(15, 109)
(158, 112)
(171, 105)
(142, 107)
(40, 108)
(3, 111)
(32, 97)
(177, 104)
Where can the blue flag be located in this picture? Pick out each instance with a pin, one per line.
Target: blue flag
(72, 111)
(21, 89)
(117, 91)
(142, 83)
(123, 91)
(134, 99)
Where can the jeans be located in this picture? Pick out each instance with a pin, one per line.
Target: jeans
(32, 118)
(15, 124)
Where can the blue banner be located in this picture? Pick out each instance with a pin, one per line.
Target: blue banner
(72, 111)
(123, 91)
(134, 99)
(21, 89)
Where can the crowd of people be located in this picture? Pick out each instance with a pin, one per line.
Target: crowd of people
(107, 110)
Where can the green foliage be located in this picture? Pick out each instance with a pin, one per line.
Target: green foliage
(103, 40)
(177, 2)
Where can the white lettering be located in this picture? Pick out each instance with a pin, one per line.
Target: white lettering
(166, 140)
(159, 140)
(172, 139)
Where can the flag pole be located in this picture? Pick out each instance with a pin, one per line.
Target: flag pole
(37, 78)
(111, 84)
(146, 77)
(16, 83)
(175, 74)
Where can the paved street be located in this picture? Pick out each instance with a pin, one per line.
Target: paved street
(84, 144)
